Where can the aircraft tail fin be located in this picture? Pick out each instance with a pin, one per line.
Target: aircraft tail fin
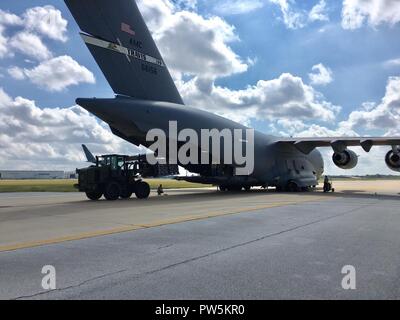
(120, 42)
(89, 156)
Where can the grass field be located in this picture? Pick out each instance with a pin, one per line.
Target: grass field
(68, 185)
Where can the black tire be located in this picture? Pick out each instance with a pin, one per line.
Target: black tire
(96, 195)
(126, 194)
(292, 187)
(247, 188)
(234, 188)
(113, 191)
(142, 190)
(222, 188)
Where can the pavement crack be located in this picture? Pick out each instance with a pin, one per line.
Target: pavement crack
(70, 287)
(249, 242)
(138, 276)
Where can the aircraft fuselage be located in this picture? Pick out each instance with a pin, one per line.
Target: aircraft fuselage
(274, 164)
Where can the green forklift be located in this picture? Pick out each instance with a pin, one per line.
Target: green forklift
(119, 176)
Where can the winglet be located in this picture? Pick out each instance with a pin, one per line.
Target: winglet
(89, 156)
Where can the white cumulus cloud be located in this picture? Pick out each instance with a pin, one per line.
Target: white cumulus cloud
(8, 18)
(319, 12)
(33, 137)
(207, 53)
(28, 30)
(17, 73)
(55, 74)
(295, 18)
(285, 97)
(30, 45)
(320, 75)
(384, 116)
(47, 21)
(356, 13)
(4, 50)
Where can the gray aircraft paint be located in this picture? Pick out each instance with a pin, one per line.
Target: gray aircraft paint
(147, 98)
(103, 20)
(134, 118)
(89, 156)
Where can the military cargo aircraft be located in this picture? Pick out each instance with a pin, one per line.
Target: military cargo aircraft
(147, 98)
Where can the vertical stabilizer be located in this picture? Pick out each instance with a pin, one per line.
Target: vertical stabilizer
(119, 40)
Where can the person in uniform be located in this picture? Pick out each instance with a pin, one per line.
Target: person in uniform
(327, 184)
(160, 190)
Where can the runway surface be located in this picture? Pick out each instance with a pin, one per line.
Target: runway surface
(202, 244)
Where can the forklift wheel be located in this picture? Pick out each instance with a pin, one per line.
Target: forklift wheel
(126, 194)
(142, 190)
(113, 191)
(94, 195)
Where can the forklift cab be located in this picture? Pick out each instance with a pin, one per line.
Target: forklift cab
(114, 161)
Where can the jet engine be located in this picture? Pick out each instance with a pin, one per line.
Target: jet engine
(393, 160)
(345, 160)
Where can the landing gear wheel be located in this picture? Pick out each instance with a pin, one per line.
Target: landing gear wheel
(292, 187)
(142, 190)
(95, 195)
(113, 191)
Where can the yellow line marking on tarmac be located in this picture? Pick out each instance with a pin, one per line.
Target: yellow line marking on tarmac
(87, 235)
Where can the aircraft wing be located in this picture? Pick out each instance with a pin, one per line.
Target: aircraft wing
(306, 145)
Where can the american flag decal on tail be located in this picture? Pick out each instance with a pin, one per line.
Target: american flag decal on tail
(127, 28)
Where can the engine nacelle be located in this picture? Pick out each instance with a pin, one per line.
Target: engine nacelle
(393, 160)
(345, 160)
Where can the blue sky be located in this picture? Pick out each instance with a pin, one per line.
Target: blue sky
(275, 41)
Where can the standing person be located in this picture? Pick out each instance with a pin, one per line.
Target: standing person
(160, 190)
(327, 184)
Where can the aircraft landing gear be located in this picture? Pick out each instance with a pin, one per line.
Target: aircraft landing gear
(234, 188)
(292, 187)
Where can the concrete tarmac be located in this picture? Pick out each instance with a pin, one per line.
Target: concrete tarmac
(202, 244)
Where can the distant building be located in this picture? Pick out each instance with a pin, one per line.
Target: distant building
(27, 175)
(70, 175)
